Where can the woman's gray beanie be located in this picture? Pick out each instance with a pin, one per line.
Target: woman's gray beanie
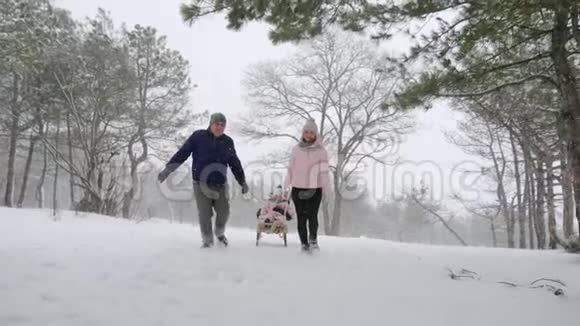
(310, 125)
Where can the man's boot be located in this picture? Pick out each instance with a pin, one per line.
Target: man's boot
(223, 240)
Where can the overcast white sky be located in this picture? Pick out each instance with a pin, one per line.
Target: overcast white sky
(218, 58)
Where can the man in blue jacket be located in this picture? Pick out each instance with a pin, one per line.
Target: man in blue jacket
(212, 151)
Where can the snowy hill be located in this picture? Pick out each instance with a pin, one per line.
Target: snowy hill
(94, 270)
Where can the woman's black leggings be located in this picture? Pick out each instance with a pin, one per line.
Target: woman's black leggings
(307, 203)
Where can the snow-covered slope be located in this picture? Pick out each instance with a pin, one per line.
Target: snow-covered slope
(95, 270)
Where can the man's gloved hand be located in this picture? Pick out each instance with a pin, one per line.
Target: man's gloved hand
(163, 175)
(245, 188)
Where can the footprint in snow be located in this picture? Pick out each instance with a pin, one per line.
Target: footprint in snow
(69, 316)
(161, 281)
(104, 277)
(13, 319)
(171, 301)
(53, 265)
(48, 298)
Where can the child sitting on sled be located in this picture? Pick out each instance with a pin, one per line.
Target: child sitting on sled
(276, 209)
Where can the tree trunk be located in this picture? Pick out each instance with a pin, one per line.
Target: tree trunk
(127, 200)
(540, 210)
(493, 232)
(571, 100)
(333, 221)
(326, 215)
(493, 236)
(26, 172)
(40, 186)
(56, 166)
(529, 192)
(337, 207)
(91, 201)
(14, 126)
(521, 205)
(128, 196)
(551, 207)
(336, 214)
(70, 157)
(501, 194)
(567, 189)
(513, 209)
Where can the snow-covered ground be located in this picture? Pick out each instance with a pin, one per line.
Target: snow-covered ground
(94, 270)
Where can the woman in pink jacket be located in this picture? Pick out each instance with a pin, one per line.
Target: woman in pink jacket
(308, 179)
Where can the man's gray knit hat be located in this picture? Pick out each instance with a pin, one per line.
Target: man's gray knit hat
(217, 117)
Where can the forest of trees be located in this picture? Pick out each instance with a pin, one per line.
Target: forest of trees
(510, 67)
(86, 107)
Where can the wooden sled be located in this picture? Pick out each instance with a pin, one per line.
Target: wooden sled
(277, 227)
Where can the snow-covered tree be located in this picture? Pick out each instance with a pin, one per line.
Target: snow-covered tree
(339, 81)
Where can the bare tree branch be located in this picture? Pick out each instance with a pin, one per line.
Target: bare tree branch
(441, 219)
